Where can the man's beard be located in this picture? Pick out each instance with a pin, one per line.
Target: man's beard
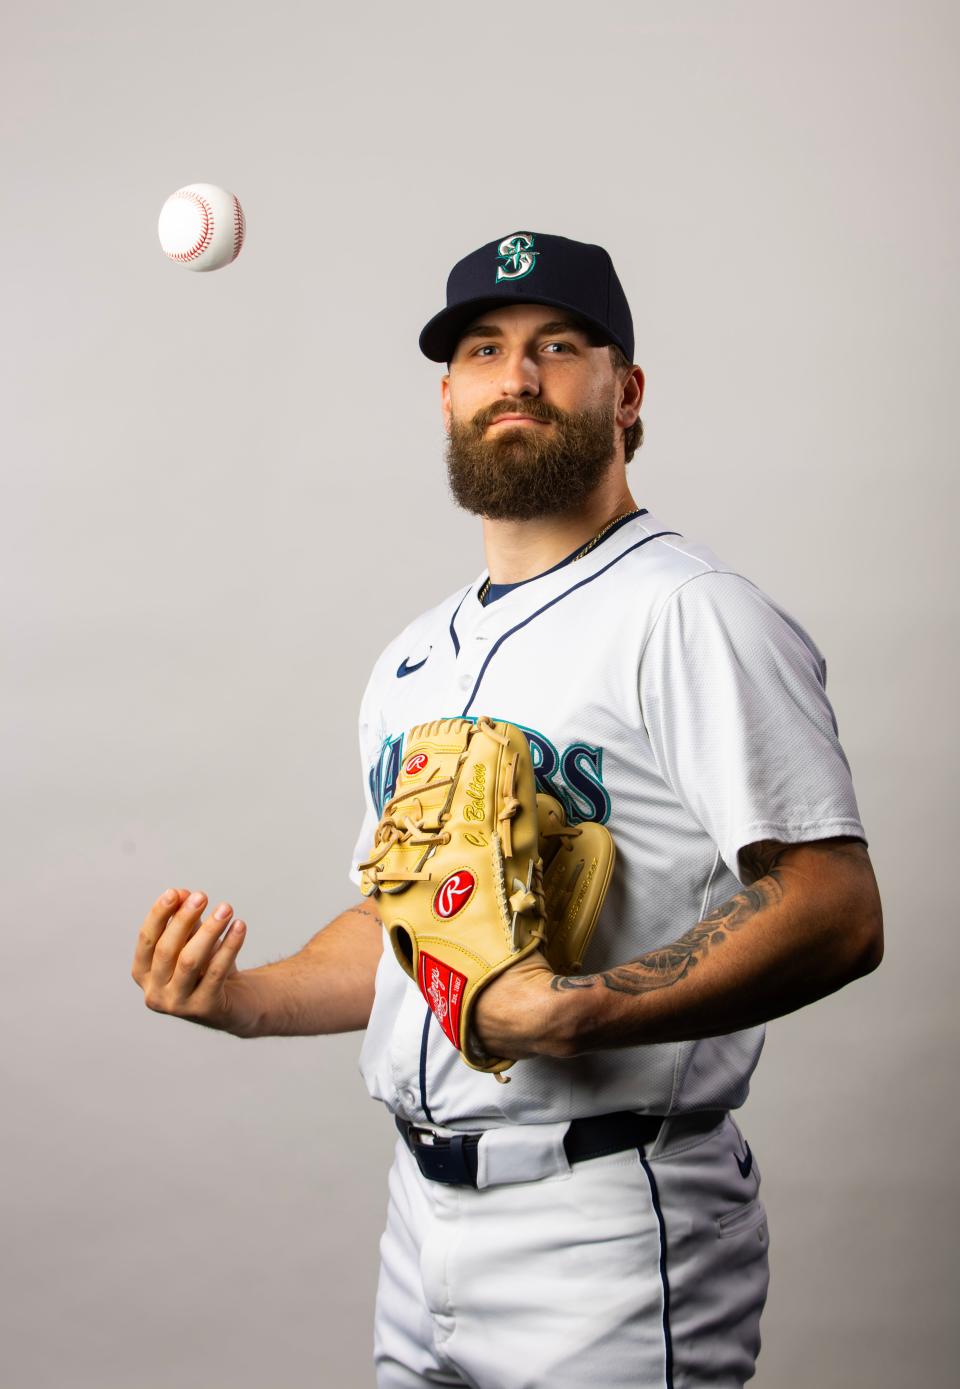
(522, 471)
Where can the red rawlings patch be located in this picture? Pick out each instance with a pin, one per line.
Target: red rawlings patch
(416, 763)
(443, 989)
(454, 893)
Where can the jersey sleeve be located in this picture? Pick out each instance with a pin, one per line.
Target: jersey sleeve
(733, 698)
(367, 729)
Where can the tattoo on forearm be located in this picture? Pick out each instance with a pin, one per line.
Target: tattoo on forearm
(764, 866)
(757, 860)
(660, 968)
(365, 909)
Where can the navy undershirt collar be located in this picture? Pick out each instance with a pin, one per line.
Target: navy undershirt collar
(496, 591)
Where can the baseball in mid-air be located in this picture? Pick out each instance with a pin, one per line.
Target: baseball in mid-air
(201, 226)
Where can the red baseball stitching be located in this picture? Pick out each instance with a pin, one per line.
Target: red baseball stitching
(206, 235)
(239, 228)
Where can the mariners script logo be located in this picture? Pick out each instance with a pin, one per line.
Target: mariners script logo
(518, 256)
(454, 893)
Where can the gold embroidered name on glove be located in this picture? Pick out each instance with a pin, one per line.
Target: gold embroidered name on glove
(458, 867)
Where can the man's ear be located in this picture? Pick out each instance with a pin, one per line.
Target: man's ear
(631, 397)
(445, 402)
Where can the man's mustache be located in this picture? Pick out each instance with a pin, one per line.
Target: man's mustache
(536, 409)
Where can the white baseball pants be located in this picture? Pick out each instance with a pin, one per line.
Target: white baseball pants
(625, 1270)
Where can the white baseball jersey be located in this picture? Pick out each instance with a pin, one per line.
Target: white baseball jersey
(663, 694)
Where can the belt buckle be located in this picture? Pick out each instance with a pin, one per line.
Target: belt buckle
(449, 1163)
(442, 1157)
(426, 1137)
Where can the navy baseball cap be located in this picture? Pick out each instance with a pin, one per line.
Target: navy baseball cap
(532, 268)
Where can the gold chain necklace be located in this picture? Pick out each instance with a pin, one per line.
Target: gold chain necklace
(591, 544)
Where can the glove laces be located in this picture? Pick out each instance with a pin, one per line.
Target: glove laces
(404, 825)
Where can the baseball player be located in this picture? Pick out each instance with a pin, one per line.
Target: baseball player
(596, 1220)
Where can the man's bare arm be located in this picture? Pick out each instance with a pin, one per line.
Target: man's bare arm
(808, 922)
(187, 968)
(327, 986)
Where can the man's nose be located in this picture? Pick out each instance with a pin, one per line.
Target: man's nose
(520, 375)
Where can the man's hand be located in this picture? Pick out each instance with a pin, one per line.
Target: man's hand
(184, 968)
(520, 1014)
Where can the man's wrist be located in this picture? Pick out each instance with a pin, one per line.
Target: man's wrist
(247, 1014)
(587, 1015)
(572, 1014)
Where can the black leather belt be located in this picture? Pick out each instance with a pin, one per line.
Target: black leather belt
(453, 1158)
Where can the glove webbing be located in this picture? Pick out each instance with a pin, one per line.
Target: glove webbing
(566, 834)
(407, 829)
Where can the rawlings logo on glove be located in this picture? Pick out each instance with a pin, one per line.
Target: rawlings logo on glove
(453, 894)
(463, 841)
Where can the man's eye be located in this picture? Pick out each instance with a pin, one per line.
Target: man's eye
(561, 346)
(487, 347)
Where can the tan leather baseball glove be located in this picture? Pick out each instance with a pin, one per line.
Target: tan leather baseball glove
(457, 866)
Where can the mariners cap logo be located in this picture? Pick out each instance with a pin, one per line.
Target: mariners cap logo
(518, 256)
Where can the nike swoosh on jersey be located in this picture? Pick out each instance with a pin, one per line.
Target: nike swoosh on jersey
(404, 668)
(745, 1163)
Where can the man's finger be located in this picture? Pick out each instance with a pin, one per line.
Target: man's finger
(197, 952)
(154, 925)
(221, 961)
(177, 932)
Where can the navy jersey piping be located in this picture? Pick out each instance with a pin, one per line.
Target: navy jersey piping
(453, 631)
(560, 596)
(643, 511)
(498, 591)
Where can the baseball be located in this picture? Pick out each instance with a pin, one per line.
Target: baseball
(201, 226)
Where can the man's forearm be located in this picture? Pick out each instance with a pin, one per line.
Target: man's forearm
(328, 986)
(806, 927)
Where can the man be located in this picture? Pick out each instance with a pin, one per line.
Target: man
(596, 1220)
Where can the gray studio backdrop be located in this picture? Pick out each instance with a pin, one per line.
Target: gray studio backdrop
(204, 478)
